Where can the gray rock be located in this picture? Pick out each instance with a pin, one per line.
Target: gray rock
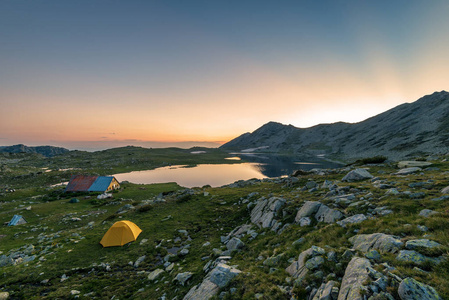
(4, 295)
(355, 275)
(422, 243)
(427, 213)
(414, 257)
(218, 278)
(411, 289)
(304, 221)
(183, 252)
(378, 241)
(235, 244)
(357, 175)
(324, 292)
(314, 262)
(410, 163)
(139, 261)
(182, 278)
(297, 269)
(328, 215)
(307, 210)
(273, 260)
(373, 254)
(265, 210)
(445, 190)
(352, 220)
(408, 171)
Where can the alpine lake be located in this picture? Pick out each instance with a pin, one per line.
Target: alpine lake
(253, 166)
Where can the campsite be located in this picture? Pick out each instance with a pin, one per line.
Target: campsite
(187, 234)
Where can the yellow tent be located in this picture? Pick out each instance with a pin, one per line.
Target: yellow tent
(121, 233)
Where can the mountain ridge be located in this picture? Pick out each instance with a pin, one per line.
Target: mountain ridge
(410, 129)
(48, 151)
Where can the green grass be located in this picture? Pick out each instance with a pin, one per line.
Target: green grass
(205, 218)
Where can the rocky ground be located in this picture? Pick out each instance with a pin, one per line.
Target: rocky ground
(360, 232)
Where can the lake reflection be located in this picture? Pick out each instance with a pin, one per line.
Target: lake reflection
(214, 175)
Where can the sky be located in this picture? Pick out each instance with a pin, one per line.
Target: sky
(91, 74)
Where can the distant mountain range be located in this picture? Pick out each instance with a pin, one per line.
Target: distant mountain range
(47, 151)
(410, 129)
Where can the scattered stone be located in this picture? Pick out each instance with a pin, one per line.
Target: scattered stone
(183, 252)
(423, 228)
(182, 278)
(408, 171)
(328, 215)
(155, 274)
(445, 190)
(265, 210)
(373, 254)
(410, 163)
(357, 175)
(411, 289)
(74, 292)
(304, 221)
(352, 220)
(235, 244)
(427, 213)
(308, 209)
(326, 291)
(423, 243)
(139, 261)
(411, 256)
(4, 295)
(218, 278)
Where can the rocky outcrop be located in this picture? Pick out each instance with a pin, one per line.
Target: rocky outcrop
(321, 212)
(265, 211)
(307, 210)
(378, 241)
(299, 268)
(411, 289)
(327, 291)
(412, 163)
(218, 278)
(355, 275)
(357, 175)
(328, 215)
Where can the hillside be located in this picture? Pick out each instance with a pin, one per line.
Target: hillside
(48, 151)
(361, 232)
(410, 129)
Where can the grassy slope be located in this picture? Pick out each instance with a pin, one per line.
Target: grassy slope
(205, 218)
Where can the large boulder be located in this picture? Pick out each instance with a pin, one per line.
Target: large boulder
(411, 289)
(328, 215)
(308, 209)
(265, 211)
(218, 278)
(355, 275)
(378, 241)
(357, 175)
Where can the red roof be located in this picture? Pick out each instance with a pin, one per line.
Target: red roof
(80, 183)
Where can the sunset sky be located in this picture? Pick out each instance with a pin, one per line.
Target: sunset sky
(90, 74)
